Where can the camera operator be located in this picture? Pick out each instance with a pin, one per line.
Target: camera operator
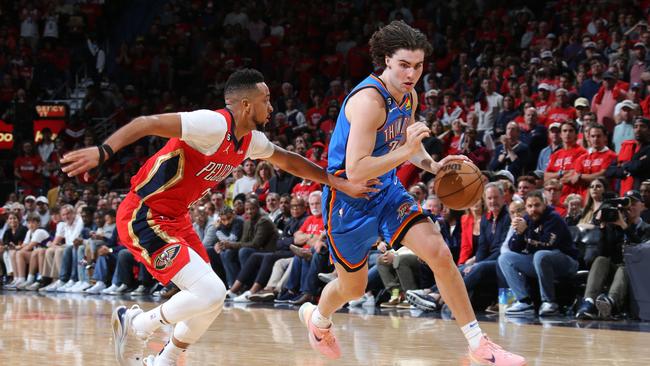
(621, 225)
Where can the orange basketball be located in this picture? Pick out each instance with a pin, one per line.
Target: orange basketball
(459, 184)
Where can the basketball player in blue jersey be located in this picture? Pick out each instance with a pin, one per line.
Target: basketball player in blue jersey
(376, 132)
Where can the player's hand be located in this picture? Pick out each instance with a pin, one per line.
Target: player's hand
(354, 190)
(80, 161)
(415, 133)
(447, 159)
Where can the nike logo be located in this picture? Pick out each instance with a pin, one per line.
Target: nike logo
(394, 108)
(491, 359)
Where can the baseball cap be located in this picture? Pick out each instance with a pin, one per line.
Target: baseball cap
(535, 60)
(642, 119)
(581, 102)
(546, 54)
(555, 125)
(628, 103)
(561, 90)
(42, 199)
(551, 36)
(636, 85)
(634, 194)
(544, 86)
(639, 45)
(505, 174)
(30, 198)
(431, 93)
(590, 44)
(608, 75)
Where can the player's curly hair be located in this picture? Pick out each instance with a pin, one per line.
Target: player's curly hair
(395, 36)
(244, 79)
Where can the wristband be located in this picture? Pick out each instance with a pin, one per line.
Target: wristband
(109, 151)
(101, 155)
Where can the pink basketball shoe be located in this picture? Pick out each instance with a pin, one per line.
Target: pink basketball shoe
(322, 340)
(490, 353)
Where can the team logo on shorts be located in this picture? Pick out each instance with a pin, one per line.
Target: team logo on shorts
(166, 257)
(403, 210)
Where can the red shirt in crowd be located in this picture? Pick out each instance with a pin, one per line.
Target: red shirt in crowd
(559, 114)
(29, 169)
(304, 188)
(593, 162)
(564, 160)
(628, 149)
(313, 225)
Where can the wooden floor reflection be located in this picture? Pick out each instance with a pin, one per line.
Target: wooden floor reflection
(74, 330)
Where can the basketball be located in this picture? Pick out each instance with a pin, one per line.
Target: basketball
(459, 184)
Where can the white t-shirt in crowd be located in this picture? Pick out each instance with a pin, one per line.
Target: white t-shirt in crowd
(70, 232)
(39, 235)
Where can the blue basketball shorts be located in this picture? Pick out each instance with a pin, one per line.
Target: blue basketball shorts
(354, 225)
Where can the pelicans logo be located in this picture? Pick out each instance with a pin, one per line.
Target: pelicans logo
(166, 257)
(403, 210)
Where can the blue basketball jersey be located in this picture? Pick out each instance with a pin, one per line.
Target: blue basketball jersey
(388, 137)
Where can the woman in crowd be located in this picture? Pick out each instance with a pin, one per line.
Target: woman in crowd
(594, 200)
(12, 242)
(263, 174)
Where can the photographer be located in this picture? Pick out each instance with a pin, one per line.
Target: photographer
(621, 225)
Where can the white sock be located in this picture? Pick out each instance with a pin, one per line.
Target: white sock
(30, 278)
(319, 320)
(473, 334)
(149, 321)
(169, 354)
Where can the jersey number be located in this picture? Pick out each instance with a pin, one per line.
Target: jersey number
(393, 145)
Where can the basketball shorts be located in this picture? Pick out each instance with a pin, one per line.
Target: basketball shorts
(160, 243)
(353, 225)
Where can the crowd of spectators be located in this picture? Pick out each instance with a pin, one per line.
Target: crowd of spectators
(552, 103)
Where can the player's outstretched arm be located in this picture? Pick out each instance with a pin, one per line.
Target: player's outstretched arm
(302, 167)
(82, 160)
(366, 112)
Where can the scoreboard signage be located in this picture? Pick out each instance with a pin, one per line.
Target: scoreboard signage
(52, 116)
(6, 135)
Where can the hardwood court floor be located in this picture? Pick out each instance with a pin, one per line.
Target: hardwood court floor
(70, 329)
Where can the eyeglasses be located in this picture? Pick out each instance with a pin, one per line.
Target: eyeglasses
(596, 186)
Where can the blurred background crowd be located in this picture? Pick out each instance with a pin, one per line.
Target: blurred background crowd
(550, 99)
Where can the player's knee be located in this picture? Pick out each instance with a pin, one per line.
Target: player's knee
(441, 255)
(214, 294)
